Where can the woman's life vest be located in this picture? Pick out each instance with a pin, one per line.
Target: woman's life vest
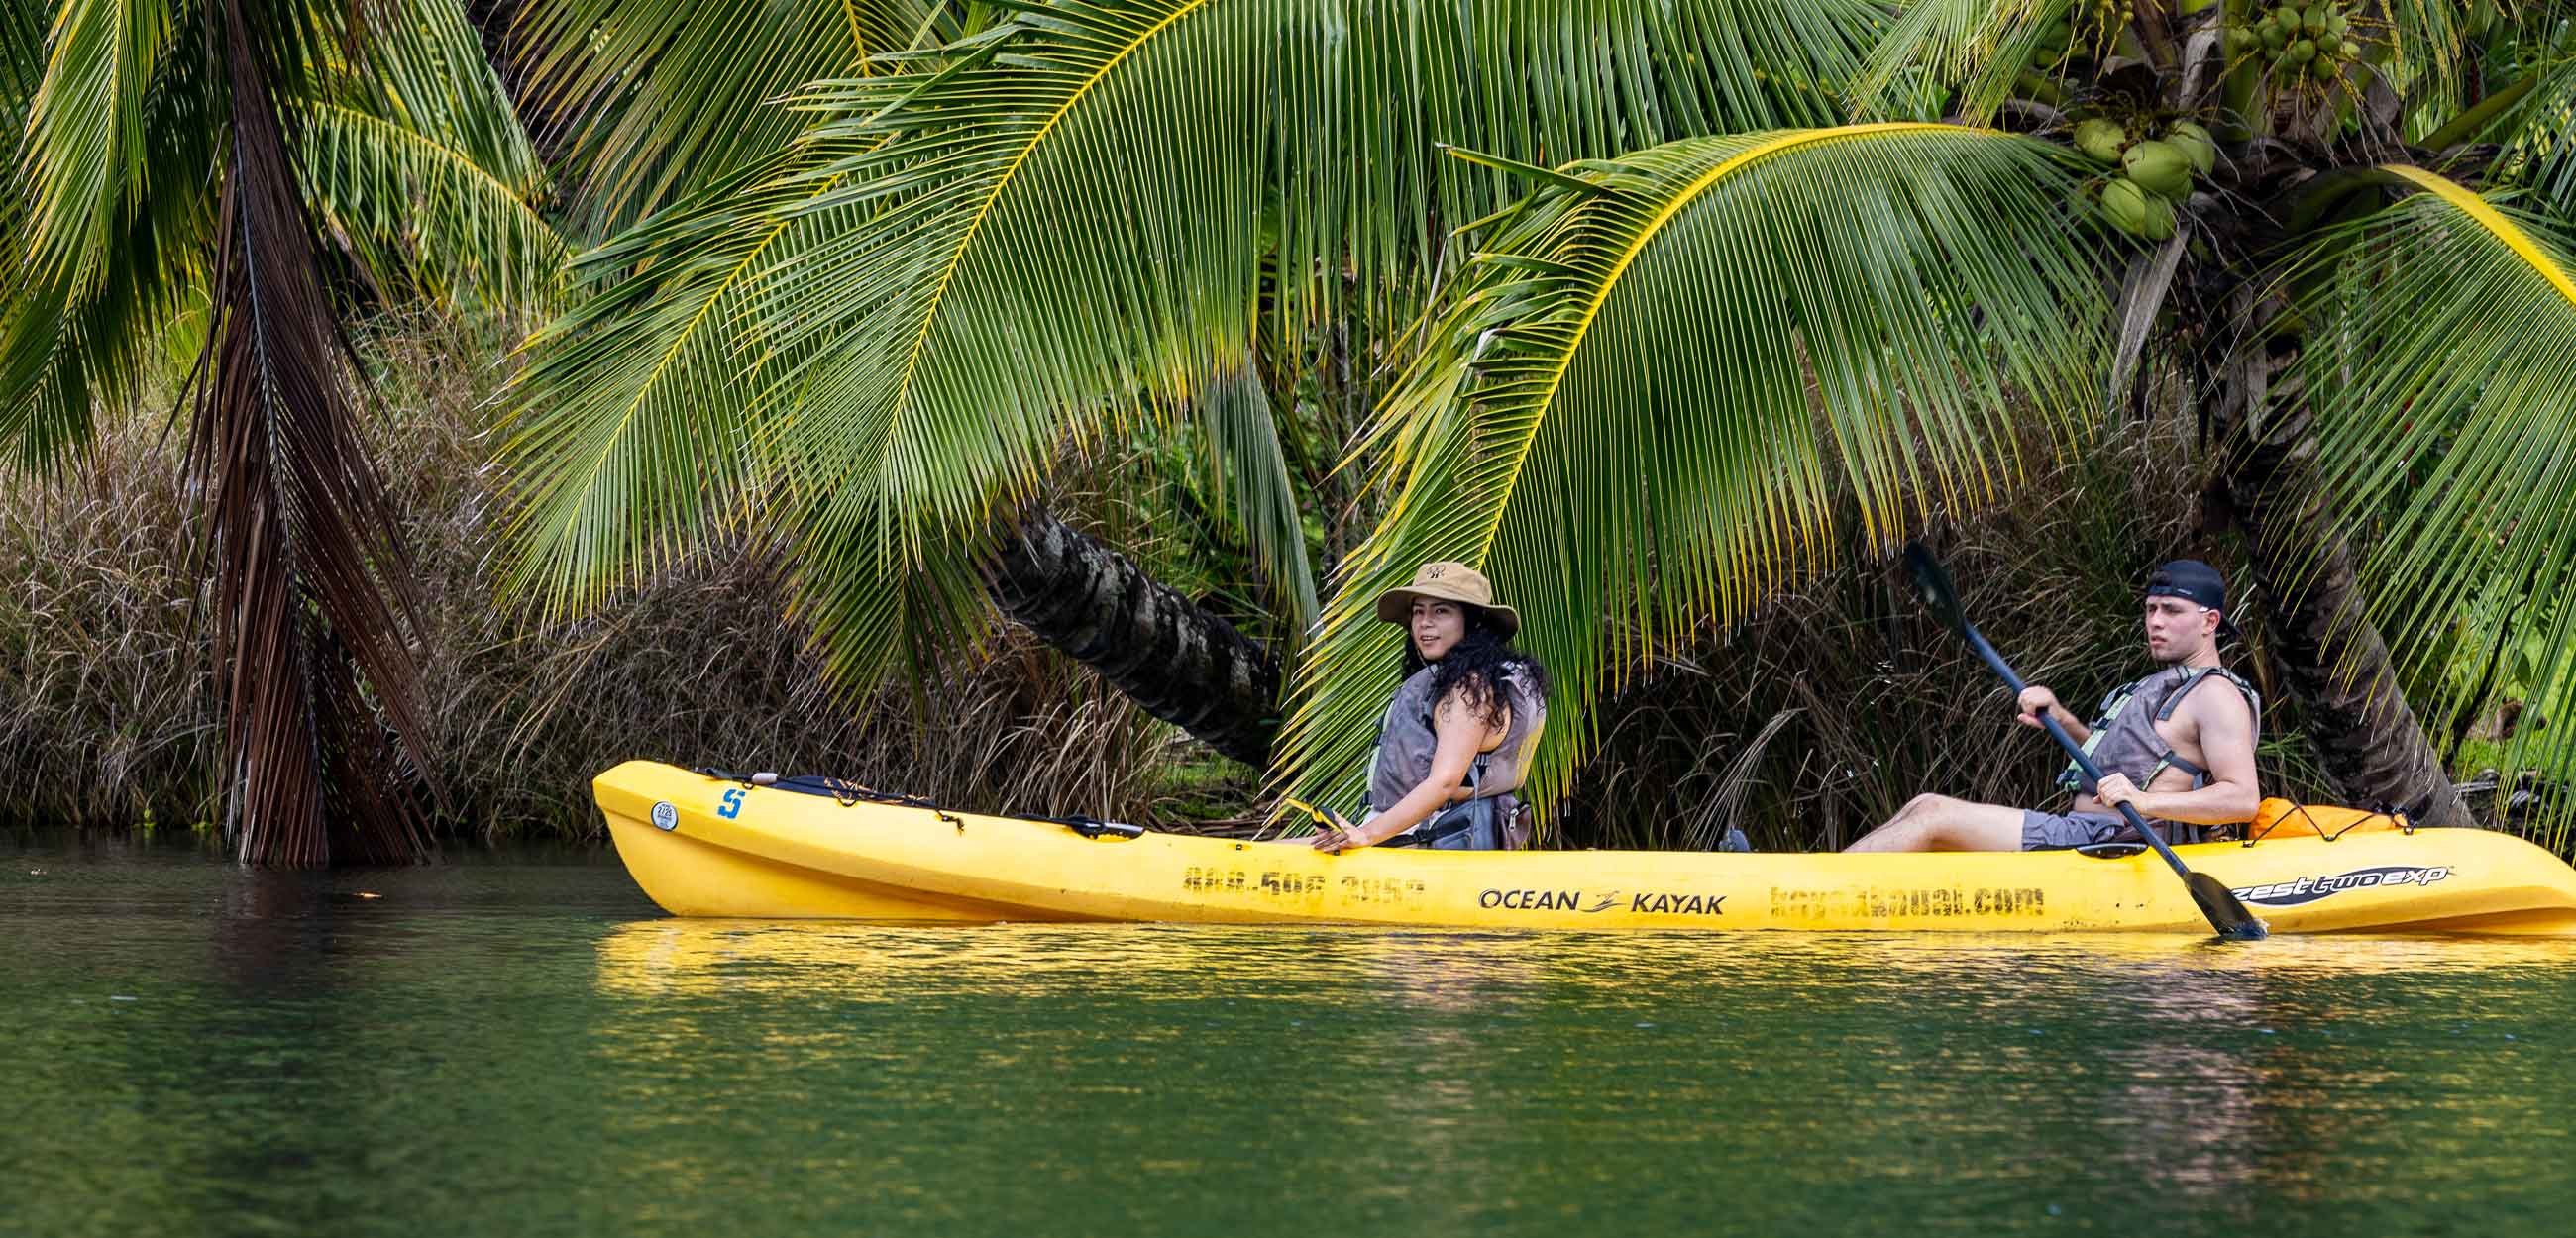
(1406, 738)
(2124, 738)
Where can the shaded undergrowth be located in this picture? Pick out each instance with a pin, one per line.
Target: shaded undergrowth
(1841, 700)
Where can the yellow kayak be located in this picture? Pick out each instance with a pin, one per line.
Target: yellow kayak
(707, 846)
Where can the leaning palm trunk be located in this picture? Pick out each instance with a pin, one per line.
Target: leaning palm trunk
(1182, 664)
(2323, 650)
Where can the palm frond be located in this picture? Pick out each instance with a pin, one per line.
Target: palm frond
(419, 210)
(631, 427)
(1247, 474)
(1082, 212)
(109, 215)
(424, 70)
(659, 99)
(1647, 403)
(1978, 47)
(2440, 386)
(307, 561)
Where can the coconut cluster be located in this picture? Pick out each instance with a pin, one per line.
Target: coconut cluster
(2316, 41)
(2154, 173)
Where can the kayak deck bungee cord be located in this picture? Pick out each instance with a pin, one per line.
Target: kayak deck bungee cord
(704, 844)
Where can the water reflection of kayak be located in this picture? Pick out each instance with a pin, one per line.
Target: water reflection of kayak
(703, 846)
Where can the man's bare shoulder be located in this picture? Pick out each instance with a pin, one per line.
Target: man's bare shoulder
(2215, 701)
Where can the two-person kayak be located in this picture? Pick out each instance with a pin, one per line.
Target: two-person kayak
(708, 846)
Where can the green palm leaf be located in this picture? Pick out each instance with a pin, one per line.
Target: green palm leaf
(659, 99)
(1085, 211)
(2442, 399)
(109, 218)
(1648, 400)
(1978, 46)
(416, 209)
(631, 430)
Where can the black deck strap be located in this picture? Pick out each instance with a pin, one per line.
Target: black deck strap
(1094, 827)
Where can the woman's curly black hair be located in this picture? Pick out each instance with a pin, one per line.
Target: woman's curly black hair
(1474, 667)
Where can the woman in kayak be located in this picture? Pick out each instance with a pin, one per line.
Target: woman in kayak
(1460, 727)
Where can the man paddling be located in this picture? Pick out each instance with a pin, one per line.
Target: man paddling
(2177, 745)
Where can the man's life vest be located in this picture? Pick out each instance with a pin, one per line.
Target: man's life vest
(2124, 738)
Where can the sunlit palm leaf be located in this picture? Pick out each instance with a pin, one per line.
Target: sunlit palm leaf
(2443, 399)
(631, 433)
(108, 215)
(425, 71)
(1076, 212)
(1649, 400)
(662, 98)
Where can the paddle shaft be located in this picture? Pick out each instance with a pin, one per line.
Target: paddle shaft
(2083, 764)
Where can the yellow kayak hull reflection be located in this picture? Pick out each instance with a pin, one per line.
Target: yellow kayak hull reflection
(702, 846)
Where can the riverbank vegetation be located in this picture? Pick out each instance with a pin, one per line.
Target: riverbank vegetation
(980, 401)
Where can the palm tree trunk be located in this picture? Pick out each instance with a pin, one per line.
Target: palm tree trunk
(1184, 665)
(2319, 643)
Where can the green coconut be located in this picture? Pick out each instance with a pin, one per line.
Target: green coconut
(2350, 49)
(2300, 52)
(2125, 205)
(2314, 20)
(2287, 17)
(2158, 166)
(2135, 211)
(2101, 139)
(2196, 144)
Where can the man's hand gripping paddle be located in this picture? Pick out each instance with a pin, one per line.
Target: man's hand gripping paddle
(2226, 913)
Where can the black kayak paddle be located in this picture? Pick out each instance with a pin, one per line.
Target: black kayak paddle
(2226, 912)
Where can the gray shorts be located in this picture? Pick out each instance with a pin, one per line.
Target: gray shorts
(2049, 831)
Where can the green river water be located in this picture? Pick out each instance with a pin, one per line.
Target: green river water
(521, 1044)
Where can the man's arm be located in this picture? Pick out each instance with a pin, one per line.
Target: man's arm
(2226, 726)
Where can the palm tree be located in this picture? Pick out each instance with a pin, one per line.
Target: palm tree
(882, 337)
(1649, 299)
(226, 178)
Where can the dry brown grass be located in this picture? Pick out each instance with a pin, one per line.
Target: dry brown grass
(107, 714)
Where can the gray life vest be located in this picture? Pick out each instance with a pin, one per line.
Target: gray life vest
(2124, 738)
(1407, 736)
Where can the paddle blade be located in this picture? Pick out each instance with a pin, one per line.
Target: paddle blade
(1933, 583)
(2226, 913)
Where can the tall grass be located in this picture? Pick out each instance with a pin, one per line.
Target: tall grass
(107, 710)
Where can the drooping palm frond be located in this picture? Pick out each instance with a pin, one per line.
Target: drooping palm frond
(663, 98)
(2440, 378)
(1648, 401)
(418, 211)
(1246, 472)
(632, 423)
(307, 559)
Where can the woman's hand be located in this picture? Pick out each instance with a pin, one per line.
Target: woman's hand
(1338, 835)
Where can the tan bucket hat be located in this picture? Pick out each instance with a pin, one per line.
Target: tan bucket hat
(1448, 582)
